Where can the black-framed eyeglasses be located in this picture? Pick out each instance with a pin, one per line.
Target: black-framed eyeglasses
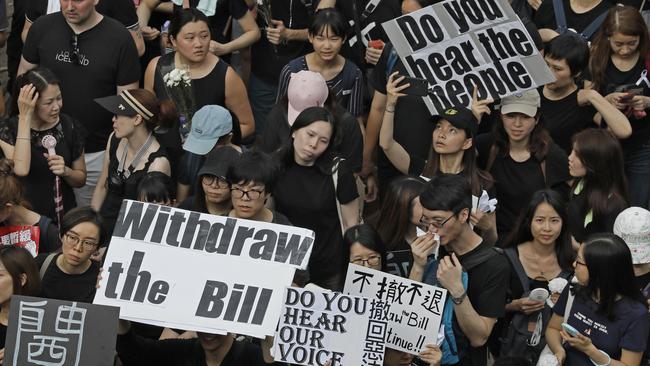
(373, 260)
(252, 194)
(74, 240)
(75, 56)
(436, 223)
(209, 180)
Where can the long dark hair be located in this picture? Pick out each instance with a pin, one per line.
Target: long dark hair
(396, 209)
(367, 236)
(563, 247)
(305, 118)
(621, 19)
(609, 262)
(605, 185)
(18, 262)
(537, 144)
(40, 77)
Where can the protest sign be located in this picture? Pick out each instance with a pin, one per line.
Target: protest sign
(317, 326)
(27, 237)
(412, 309)
(459, 44)
(190, 287)
(63, 333)
(213, 235)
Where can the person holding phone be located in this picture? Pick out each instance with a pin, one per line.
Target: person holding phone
(618, 71)
(605, 313)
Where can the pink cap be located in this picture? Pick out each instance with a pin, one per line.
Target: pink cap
(306, 89)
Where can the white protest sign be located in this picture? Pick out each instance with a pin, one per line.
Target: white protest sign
(317, 326)
(459, 44)
(412, 309)
(193, 287)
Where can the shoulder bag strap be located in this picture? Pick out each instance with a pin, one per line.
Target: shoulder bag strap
(560, 17)
(511, 254)
(335, 179)
(46, 263)
(569, 305)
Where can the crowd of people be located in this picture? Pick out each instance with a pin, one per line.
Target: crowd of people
(531, 211)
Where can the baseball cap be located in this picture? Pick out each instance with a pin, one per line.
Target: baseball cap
(306, 89)
(124, 104)
(218, 161)
(460, 117)
(633, 226)
(527, 103)
(208, 124)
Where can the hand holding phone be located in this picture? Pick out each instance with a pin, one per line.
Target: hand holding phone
(417, 86)
(569, 329)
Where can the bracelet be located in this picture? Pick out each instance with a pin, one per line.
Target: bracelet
(459, 299)
(23, 138)
(609, 359)
(390, 110)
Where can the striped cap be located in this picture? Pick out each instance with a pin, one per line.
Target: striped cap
(124, 104)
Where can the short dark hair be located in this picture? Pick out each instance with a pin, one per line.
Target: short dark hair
(184, 16)
(40, 77)
(155, 187)
(254, 166)
(80, 215)
(328, 18)
(571, 48)
(367, 236)
(611, 273)
(447, 192)
(18, 261)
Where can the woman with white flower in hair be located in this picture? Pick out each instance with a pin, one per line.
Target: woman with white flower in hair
(132, 149)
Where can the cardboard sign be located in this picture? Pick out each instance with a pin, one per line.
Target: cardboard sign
(413, 309)
(27, 237)
(317, 326)
(215, 236)
(154, 278)
(459, 44)
(63, 333)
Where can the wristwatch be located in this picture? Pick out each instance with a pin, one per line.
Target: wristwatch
(459, 299)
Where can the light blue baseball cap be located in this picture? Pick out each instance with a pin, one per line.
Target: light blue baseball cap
(208, 124)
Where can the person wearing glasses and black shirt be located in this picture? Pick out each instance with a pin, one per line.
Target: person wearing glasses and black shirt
(472, 271)
(93, 56)
(252, 178)
(71, 274)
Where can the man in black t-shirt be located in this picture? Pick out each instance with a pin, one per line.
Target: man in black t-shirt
(473, 273)
(566, 109)
(121, 10)
(576, 19)
(93, 56)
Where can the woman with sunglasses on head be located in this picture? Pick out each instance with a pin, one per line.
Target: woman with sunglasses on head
(132, 150)
(71, 275)
(606, 315)
(317, 191)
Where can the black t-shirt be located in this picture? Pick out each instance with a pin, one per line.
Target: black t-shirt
(136, 350)
(108, 58)
(305, 195)
(59, 285)
(347, 85)
(564, 118)
(121, 10)
(370, 26)
(3, 335)
(412, 124)
(545, 15)
(582, 223)
(515, 182)
(277, 135)
(266, 60)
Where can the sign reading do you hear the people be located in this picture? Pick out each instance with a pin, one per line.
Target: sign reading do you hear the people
(459, 44)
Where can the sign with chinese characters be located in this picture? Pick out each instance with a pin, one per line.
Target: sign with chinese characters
(23, 236)
(317, 326)
(413, 310)
(458, 45)
(62, 333)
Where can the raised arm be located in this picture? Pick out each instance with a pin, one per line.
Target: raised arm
(395, 152)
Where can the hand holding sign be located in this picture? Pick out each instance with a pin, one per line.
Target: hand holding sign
(432, 355)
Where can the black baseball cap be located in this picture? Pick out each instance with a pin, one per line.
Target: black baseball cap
(124, 104)
(459, 117)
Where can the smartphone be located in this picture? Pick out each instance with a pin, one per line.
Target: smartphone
(539, 295)
(418, 87)
(569, 329)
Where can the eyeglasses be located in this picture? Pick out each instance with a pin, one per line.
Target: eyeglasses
(208, 180)
(73, 240)
(252, 194)
(373, 260)
(75, 56)
(436, 223)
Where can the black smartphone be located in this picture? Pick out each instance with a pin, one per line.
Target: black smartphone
(418, 87)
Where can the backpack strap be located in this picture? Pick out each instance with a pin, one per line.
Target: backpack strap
(335, 179)
(560, 17)
(46, 263)
(491, 157)
(511, 254)
(481, 257)
(593, 26)
(310, 7)
(542, 165)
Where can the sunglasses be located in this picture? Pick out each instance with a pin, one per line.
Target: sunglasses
(75, 56)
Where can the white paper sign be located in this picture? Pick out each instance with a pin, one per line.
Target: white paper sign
(320, 326)
(459, 44)
(158, 283)
(412, 309)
